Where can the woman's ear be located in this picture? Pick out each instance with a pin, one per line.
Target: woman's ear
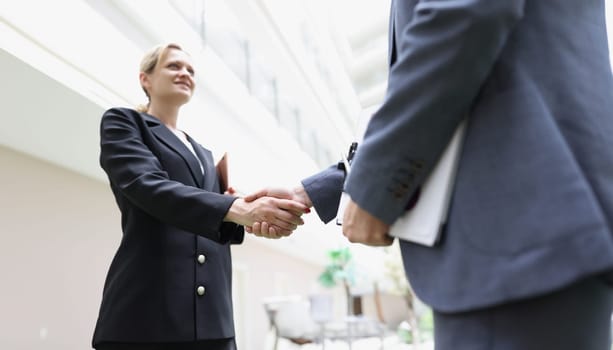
(144, 81)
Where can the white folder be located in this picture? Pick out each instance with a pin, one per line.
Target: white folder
(424, 222)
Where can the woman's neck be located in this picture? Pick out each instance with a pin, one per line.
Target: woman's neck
(166, 113)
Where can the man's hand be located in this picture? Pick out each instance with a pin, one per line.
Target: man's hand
(359, 226)
(281, 215)
(266, 229)
(297, 194)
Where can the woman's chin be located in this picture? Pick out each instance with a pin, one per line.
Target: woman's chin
(182, 99)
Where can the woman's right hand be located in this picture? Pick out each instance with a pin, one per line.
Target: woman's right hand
(265, 229)
(281, 215)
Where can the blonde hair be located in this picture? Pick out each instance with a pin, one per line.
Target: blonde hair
(148, 64)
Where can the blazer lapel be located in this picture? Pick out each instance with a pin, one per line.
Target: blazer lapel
(172, 141)
(391, 48)
(210, 173)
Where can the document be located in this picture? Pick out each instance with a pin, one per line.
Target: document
(341, 208)
(424, 222)
(222, 172)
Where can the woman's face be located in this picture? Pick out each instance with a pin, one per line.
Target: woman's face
(172, 79)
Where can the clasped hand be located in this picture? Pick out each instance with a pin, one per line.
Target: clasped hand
(274, 215)
(359, 226)
(269, 229)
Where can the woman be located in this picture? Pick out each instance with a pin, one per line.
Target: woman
(169, 284)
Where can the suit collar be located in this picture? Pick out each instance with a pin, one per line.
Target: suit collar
(172, 141)
(210, 175)
(391, 49)
(151, 120)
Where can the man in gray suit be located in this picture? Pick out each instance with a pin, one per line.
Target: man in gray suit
(529, 237)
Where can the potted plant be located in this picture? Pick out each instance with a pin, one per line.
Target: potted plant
(340, 269)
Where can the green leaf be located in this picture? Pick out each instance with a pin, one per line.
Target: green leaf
(339, 269)
(327, 279)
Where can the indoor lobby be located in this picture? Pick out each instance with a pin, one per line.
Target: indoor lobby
(283, 89)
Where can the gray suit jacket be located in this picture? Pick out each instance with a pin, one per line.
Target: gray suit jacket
(532, 210)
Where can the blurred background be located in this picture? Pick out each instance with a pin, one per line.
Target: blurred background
(283, 86)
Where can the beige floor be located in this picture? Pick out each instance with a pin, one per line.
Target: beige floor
(389, 343)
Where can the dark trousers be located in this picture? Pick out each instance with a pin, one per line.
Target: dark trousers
(575, 318)
(213, 344)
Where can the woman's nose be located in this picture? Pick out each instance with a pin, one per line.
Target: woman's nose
(184, 71)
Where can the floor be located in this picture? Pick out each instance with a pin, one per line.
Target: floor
(390, 342)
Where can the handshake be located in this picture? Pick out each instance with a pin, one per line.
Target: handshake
(270, 212)
(276, 212)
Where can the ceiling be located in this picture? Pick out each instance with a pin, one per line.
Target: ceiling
(363, 25)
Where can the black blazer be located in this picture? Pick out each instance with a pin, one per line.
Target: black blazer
(174, 238)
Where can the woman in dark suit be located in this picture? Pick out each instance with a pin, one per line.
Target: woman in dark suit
(169, 284)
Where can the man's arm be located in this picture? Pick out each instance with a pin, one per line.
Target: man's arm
(444, 54)
(324, 191)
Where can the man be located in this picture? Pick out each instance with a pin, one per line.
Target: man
(529, 234)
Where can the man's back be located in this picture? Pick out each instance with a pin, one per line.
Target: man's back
(533, 205)
(522, 260)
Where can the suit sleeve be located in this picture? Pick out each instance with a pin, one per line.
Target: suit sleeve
(231, 233)
(324, 190)
(444, 55)
(138, 175)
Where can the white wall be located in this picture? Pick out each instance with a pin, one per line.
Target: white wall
(58, 233)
